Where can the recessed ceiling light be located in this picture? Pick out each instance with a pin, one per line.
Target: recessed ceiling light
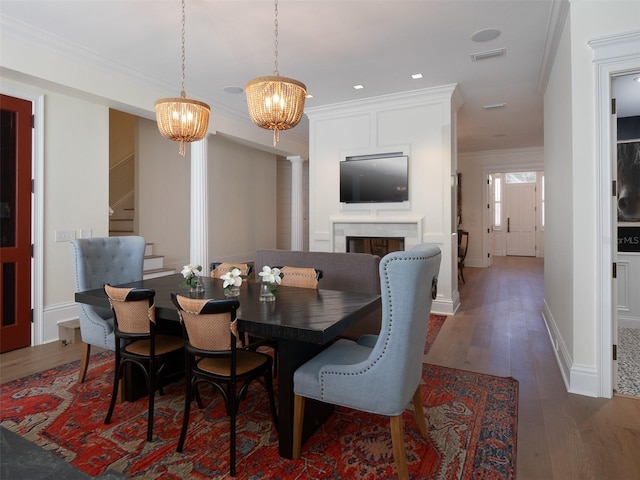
(486, 35)
(637, 79)
(234, 90)
(358, 87)
(416, 76)
(308, 95)
(498, 52)
(494, 106)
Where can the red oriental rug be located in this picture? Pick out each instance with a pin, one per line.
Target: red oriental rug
(471, 419)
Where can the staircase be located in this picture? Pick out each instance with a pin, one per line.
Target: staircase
(122, 212)
(154, 264)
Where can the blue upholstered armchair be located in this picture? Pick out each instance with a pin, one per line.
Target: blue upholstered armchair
(380, 373)
(95, 262)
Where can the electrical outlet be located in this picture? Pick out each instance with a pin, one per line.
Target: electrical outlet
(65, 235)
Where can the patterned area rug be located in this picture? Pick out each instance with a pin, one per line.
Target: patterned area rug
(629, 361)
(471, 420)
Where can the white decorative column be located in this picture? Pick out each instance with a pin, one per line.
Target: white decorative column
(297, 204)
(199, 233)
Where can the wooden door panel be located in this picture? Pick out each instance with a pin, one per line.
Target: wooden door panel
(15, 223)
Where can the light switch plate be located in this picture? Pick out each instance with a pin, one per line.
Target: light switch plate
(65, 235)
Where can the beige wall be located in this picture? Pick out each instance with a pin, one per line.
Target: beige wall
(242, 198)
(73, 182)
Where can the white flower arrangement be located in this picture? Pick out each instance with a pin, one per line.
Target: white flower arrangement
(233, 278)
(190, 273)
(271, 275)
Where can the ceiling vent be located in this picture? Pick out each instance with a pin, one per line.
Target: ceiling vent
(498, 52)
(494, 106)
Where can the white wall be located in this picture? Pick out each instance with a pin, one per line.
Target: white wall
(571, 253)
(420, 124)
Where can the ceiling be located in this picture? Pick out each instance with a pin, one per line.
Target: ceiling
(328, 45)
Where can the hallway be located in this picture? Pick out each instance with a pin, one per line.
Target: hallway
(499, 330)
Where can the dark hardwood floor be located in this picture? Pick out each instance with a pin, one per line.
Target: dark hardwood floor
(499, 331)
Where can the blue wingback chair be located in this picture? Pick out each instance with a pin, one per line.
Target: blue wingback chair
(381, 373)
(96, 262)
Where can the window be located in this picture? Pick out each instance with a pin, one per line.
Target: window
(497, 202)
(521, 177)
(542, 201)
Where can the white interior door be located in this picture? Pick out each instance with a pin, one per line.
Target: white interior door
(521, 219)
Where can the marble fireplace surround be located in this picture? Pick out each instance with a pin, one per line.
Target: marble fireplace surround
(409, 228)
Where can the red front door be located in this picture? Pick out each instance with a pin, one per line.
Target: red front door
(15, 223)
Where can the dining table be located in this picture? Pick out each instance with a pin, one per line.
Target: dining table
(303, 321)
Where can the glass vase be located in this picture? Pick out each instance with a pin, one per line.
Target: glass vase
(266, 292)
(196, 287)
(231, 292)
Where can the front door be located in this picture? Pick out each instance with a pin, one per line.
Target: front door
(521, 217)
(15, 223)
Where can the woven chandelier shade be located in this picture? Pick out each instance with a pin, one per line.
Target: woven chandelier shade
(182, 119)
(275, 103)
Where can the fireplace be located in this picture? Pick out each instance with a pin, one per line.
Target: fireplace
(376, 245)
(404, 229)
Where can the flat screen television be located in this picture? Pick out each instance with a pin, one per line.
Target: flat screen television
(374, 180)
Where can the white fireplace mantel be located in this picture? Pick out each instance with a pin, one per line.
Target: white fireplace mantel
(407, 227)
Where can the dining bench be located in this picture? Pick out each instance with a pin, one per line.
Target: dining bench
(347, 272)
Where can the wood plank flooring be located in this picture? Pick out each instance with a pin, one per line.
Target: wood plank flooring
(499, 331)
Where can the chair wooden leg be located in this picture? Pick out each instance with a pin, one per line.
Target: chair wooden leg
(120, 391)
(185, 417)
(419, 411)
(397, 440)
(114, 392)
(152, 396)
(84, 361)
(298, 417)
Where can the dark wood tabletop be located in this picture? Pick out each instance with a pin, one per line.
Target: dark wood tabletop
(298, 314)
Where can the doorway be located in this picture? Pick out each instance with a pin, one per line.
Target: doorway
(15, 222)
(515, 213)
(626, 169)
(613, 56)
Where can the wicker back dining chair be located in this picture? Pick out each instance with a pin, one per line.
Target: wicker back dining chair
(304, 277)
(220, 268)
(212, 356)
(137, 342)
(389, 364)
(96, 262)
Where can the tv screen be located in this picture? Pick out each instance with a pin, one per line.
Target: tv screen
(374, 180)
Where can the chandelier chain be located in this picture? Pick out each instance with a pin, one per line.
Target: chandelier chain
(275, 23)
(183, 93)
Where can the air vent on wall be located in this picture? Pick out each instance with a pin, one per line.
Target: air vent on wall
(499, 52)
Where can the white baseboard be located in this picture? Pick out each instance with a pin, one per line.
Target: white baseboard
(54, 314)
(579, 379)
(628, 322)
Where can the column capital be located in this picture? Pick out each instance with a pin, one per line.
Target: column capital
(296, 159)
